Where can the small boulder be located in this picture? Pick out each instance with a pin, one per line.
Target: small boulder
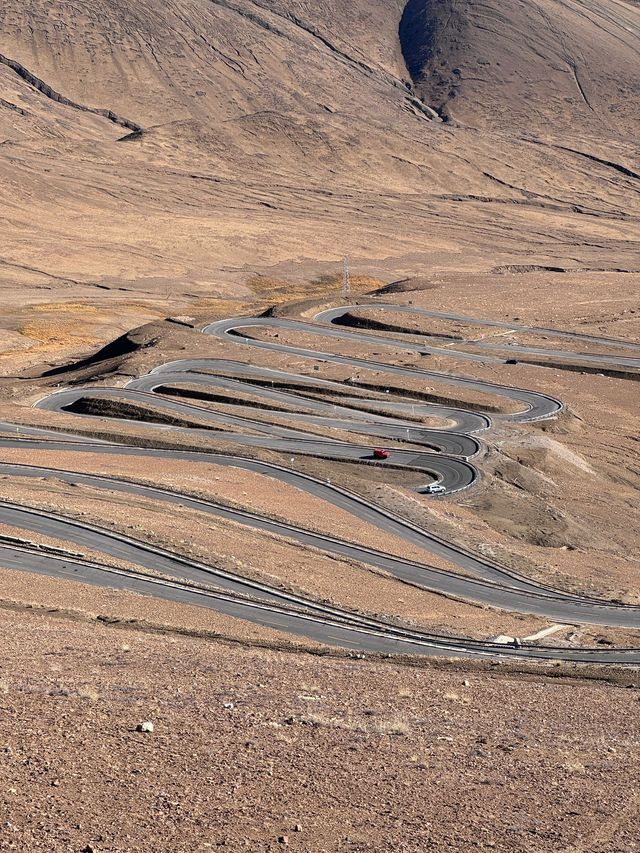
(146, 727)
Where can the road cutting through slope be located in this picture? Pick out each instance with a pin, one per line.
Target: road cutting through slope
(491, 585)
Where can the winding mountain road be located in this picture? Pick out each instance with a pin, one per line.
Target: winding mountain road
(445, 456)
(336, 315)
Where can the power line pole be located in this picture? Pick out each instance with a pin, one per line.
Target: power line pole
(346, 283)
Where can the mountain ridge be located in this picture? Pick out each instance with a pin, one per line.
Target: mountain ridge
(279, 134)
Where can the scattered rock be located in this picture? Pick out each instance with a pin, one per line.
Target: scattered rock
(504, 640)
(182, 321)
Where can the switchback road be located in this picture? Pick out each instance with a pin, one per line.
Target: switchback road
(301, 400)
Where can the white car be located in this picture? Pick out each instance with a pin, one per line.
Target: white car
(435, 489)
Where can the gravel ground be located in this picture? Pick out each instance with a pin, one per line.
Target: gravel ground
(260, 750)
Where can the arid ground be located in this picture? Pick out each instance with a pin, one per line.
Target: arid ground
(167, 164)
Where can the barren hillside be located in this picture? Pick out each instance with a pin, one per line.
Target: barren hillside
(178, 147)
(357, 578)
(528, 66)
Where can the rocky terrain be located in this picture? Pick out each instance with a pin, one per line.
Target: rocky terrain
(173, 162)
(266, 751)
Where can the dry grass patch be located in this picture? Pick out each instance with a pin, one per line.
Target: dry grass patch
(54, 335)
(218, 306)
(267, 284)
(86, 691)
(280, 290)
(369, 727)
(358, 283)
(68, 307)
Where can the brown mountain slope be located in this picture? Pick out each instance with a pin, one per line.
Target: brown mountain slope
(274, 131)
(551, 66)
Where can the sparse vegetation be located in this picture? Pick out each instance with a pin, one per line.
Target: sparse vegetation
(371, 726)
(87, 691)
(166, 163)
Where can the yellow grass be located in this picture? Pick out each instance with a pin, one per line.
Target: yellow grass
(55, 335)
(84, 307)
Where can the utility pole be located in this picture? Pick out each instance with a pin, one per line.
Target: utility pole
(346, 284)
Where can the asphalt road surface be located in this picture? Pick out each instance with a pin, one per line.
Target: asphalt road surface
(445, 457)
(448, 348)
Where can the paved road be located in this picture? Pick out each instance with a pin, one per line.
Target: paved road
(492, 584)
(503, 324)
(456, 474)
(350, 419)
(535, 406)
(331, 629)
(264, 381)
(486, 582)
(335, 315)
